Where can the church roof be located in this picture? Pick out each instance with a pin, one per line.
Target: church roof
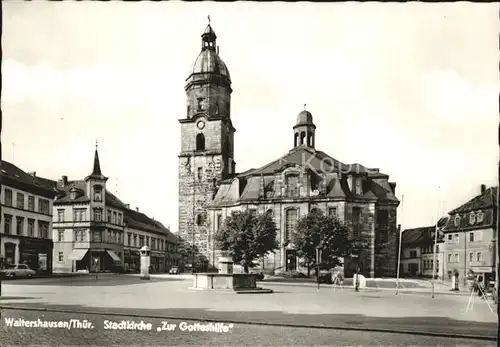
(304, 118)
(208, 61)
(264, 182)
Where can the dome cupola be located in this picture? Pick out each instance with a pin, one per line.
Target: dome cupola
(208, 61)
(304, 129)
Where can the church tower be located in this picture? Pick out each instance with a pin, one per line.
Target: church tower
(207, 147)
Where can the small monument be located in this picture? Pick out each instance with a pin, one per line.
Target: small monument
(227, 281)
(145, 262)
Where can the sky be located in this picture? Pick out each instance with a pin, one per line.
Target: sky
(409, 88)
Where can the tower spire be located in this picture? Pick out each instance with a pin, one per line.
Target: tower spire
(208, 37)
(96, 171)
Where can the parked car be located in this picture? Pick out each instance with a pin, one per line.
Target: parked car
(174, 270)
(16, 271)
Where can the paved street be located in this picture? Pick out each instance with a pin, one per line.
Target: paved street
(297, 306)
(240, 335)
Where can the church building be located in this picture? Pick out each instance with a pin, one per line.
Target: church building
(288, 188)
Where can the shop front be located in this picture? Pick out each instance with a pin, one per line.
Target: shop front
(10, 253)
(483, 275)
(157, 262)
(132, 260)
(36, 253)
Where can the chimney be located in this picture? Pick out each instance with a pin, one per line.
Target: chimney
(33, 173)
(64, 181)
(127, 206)
(483, 188)
(137, 209)
(217, 50)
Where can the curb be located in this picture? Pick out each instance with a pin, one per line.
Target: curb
(405, 291)
(288, 325)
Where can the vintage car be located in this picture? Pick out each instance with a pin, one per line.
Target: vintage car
(174, 270)
(17, 271)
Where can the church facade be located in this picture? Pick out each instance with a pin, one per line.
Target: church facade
(288, 188)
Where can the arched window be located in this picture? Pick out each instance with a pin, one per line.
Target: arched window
(216, 109)
(200, 142)
(310, 140)
(296, 140)
(302, 137)
(199, 219)
(457, 220)
(291, 223)
(269, 212)
(292, 185)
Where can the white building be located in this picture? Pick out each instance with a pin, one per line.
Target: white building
(417, 253)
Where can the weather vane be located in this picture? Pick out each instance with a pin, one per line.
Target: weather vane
(208, 19)
(95, 144)
(304, 106)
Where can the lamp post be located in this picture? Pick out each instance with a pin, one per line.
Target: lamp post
(400, 234)
(318, 259)
(355, 255)
(435, 244)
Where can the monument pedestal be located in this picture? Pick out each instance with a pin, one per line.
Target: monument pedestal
(226, 281)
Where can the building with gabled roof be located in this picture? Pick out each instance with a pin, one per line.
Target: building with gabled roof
(26, 228)
(289, 187)
(417, 251)
(94, 229)
(470, 236)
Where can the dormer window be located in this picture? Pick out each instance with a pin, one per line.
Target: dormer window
(97, 193)
(72, 194)
(457, 220)
(357, 182)
(292, 184)
(472, 218)
(479, 216)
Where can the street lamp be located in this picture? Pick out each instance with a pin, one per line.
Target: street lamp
(318, 258)
(356, 255)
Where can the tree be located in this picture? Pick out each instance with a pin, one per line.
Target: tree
(314, 228)
(247, 237)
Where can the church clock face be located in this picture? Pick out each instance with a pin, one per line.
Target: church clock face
(200, 124)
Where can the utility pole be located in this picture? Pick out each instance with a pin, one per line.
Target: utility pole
(435, 245)
(400, 234)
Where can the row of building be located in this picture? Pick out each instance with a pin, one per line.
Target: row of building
(466, 242)
(67, 226)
